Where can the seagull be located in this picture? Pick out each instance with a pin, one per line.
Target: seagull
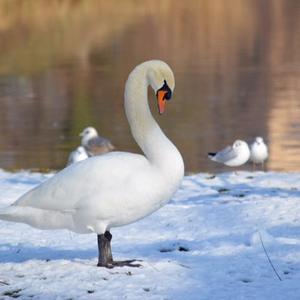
(77, 155)
(93, 143)
(232, 156)
(259, 152)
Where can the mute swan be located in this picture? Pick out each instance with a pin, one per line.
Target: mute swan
(258, 152)
(232, 156)
(93, 143)
(77, 155)
(116, 188)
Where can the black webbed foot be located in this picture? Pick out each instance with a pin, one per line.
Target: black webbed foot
(121, 263)
(105, 258)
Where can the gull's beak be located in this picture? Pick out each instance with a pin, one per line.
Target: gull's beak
(81, 134)
(163, 94)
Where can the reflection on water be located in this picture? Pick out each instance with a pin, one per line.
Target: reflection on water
(236, 62)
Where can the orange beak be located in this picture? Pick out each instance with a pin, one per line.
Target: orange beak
(161, 101)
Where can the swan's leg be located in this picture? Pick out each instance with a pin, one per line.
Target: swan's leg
(105, 258)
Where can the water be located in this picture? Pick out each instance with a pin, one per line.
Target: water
(62, 68)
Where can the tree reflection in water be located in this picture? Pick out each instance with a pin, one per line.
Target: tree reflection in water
(63, 67)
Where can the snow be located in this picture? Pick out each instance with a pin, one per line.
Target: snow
(204, 244)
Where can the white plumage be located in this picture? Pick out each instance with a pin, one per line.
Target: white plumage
(259, 151)
(117, 188)
(232, 156)
(77, 155)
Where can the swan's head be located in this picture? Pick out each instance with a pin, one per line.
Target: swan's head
(87, 134)
(161, 79)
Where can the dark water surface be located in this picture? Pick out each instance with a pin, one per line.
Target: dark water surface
(63, 66)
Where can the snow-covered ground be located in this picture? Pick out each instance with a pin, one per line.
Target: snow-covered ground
(205, 244)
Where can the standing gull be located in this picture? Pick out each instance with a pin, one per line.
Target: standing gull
(93, 143)
(232, 156)
(259, 152)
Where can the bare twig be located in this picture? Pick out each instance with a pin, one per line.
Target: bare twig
(262, 243)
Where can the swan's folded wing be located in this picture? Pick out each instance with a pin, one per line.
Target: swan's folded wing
(225, 155)
(83, 180)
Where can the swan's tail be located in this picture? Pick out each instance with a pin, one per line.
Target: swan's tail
(36, 217)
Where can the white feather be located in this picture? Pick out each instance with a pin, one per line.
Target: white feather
(259, 151)
(233, 156)
(113, 189)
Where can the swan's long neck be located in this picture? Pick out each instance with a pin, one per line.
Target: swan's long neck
(157, 148)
